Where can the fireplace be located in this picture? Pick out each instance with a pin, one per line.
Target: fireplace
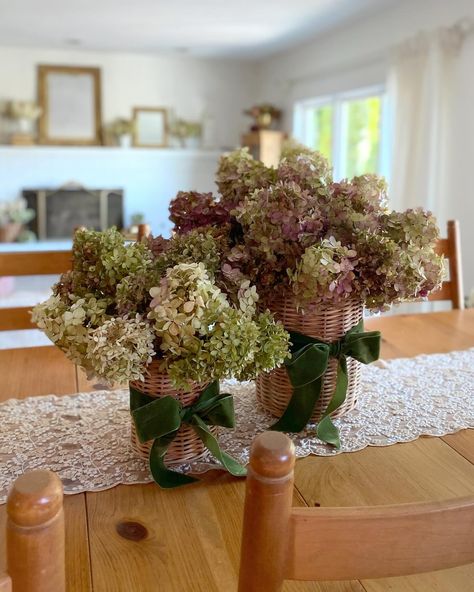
(60, 211)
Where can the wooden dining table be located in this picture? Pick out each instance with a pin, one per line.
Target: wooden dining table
(140, 538)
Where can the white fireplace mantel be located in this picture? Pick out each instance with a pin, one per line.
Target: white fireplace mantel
(150, 177)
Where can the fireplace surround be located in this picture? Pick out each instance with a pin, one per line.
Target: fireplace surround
(59, 211)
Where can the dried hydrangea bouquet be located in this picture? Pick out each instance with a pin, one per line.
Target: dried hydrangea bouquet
(157, 315)
(318, 252)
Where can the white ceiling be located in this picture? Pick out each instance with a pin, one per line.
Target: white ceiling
(247, 28)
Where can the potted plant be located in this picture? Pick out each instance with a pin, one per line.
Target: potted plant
(151, 314)
(188, 133)
(318, 252)
(13, 215)
(264, 116)
(24, 113)
(122, 130)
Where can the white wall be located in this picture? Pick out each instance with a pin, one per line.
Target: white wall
(185, 84)
(358, 55)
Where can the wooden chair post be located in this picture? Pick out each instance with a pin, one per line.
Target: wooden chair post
(268, 500)
(35, 533)
(143, 231)
(455, 265)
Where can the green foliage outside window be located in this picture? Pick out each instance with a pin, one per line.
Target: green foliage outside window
(360, 131)
(323, 126)
(362, 145)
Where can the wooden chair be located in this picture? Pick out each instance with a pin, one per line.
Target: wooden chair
(29, 263)
(280, 542)
(450, 247)
(35, 535)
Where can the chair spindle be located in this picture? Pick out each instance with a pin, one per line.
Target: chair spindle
(269, 496)
(35, 533)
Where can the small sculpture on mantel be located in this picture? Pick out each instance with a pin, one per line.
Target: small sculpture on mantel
(265, 116)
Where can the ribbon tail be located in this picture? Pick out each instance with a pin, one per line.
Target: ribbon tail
(299, 410)
(164, 477)
(210, 442)
(326, 430)
(305, 371)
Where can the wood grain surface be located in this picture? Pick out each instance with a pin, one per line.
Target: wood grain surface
(142, 539)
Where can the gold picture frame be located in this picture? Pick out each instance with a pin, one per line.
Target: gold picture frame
(70, 99)
(150, 127)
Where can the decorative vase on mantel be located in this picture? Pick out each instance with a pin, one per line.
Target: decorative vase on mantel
(125, 140)
(328, 324)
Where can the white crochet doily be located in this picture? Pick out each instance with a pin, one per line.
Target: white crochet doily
(85, 438)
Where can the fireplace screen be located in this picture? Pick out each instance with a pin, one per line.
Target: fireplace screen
(60, 211)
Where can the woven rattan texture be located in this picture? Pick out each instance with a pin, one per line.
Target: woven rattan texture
(328, 324)
(187, 445)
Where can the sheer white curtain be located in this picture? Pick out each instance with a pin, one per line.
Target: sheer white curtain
(420, 92)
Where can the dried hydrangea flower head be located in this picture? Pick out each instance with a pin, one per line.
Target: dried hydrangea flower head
(102, 259)
(203, 336)
(198, 245)
(123, 304)
(325, 273)
(239, 175)
(322, 241)
(190, 209)
(120, 349)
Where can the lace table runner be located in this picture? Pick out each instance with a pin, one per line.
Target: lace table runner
(85, 438)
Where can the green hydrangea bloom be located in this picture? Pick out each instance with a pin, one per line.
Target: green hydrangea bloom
(203, 336)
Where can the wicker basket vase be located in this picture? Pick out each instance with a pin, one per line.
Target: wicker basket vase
(328, 324)
(187, 445)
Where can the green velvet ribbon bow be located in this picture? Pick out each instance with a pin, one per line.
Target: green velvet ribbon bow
(306, 368)
(160, 419)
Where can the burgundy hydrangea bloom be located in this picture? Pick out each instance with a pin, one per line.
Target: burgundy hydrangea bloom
(190, 209)
(292, 229)
(157, 244)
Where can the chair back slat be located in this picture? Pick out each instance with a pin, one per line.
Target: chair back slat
(444, 293)
(35, 533)
(450, 247)
(380, 542)
(29, 263)
(443, 247)
(14, 319)
(279, 542)
(35, 263)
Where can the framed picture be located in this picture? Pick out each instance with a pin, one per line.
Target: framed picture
(70, 98)
(150, 127)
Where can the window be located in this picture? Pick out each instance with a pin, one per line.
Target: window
(349, 129)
